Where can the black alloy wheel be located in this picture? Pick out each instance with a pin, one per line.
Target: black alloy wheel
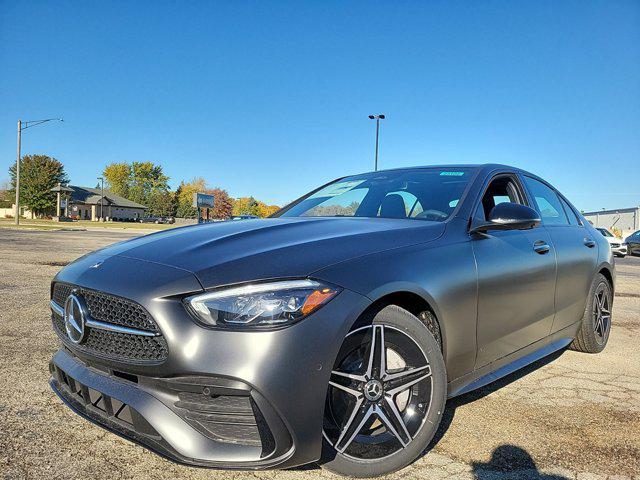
(595, 328)
(601, 312)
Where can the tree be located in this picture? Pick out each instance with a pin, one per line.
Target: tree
(6, 200)
(117, 177)
(138, 181)
(267, 210)
(175, 197)
(222, 204)
(38, 175)
(160, 204)
(146, 179)
(246, 206)
(185, 199)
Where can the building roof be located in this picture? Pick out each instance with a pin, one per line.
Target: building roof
(617, 210)
(92, 196)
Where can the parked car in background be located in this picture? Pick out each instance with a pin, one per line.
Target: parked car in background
(244, 217)
(633, 243)
(157, 220)
(618, 246)
(335, 330)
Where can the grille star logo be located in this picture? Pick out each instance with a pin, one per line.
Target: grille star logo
(74, 318)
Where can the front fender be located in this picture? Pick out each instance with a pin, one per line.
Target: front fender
(442, 273)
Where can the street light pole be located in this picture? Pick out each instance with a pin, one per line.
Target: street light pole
(23, 126)
(17, 212)
(377, 118)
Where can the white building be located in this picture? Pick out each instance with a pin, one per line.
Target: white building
(627, 220)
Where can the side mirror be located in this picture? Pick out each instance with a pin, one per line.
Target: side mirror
(509, 216)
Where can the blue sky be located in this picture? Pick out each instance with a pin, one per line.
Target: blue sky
(272, 98)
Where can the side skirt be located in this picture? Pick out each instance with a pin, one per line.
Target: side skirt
(512, 362)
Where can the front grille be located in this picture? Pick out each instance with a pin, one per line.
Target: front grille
(124, 347)
(108, 308)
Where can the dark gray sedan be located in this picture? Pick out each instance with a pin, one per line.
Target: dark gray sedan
(335, 330)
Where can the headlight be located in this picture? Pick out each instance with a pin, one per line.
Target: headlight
(261, 304)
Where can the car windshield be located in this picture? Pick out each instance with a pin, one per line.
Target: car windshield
(605, 232)
(421, 193)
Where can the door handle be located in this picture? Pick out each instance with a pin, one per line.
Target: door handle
(588, 242)
(541, 247)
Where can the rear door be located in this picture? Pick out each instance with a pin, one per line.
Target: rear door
(516, 278)
(576, 251)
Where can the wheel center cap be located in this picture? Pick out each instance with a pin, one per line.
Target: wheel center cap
(373, 390)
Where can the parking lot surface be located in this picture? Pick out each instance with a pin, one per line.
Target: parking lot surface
(572, 416)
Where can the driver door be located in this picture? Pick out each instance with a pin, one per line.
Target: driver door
(516, 278)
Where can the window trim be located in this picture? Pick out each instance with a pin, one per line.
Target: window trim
(524, 197)
(558, 194)
(573, 209)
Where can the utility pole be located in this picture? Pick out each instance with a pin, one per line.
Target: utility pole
(31, 123)
(377, 118)
(17, 213)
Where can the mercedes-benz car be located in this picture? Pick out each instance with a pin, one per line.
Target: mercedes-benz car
(336, 330)
(618, 246)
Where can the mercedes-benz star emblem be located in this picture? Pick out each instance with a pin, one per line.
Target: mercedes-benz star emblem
(373, 390)
(74, 318)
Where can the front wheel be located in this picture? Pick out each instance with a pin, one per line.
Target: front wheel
(386, 396)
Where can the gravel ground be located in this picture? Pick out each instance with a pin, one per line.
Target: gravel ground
(570, 416)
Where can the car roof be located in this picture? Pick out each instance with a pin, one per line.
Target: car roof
(482, 167)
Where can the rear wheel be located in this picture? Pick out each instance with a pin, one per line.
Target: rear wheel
(386, 396)
(596, 322)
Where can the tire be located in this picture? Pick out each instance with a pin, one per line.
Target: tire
(596, 325)
(418, 419)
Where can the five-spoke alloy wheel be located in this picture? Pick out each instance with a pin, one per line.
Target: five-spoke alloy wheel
(596, 322)
(602, 313)
(386, 395)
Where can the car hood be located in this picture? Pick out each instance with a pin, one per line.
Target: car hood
(236, 251)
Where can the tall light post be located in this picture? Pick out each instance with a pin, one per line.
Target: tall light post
(377, 118)
(101, 198)
(23, 126)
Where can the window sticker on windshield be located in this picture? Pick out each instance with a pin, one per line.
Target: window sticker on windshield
(337, 189)
(451, 174)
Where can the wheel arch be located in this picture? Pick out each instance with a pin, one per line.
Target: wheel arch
(607, 271)
(410, 298)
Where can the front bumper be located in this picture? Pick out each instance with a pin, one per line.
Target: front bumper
(621, 250)
(282, 375)
(135, 411)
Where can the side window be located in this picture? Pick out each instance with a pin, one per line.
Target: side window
(573, 219)
(547, 202)
(500, 190)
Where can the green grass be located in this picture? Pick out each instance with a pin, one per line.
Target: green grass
(39, 224)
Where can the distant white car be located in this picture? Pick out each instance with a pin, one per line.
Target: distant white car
(618, 247)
